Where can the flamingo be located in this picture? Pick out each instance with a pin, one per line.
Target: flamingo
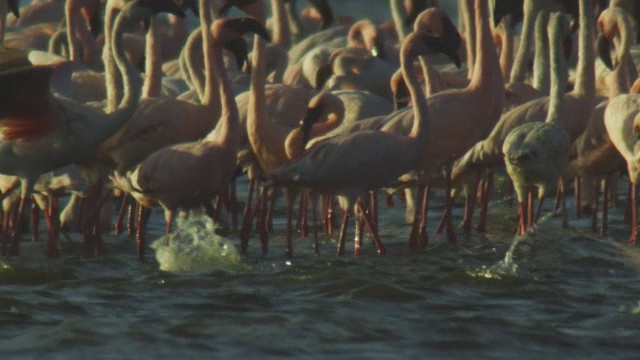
(535, 153)
(42, 131)
(189, 175)
(595, 155)
(576, 106)
(348, 165)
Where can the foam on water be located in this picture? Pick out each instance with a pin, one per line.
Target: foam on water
(195, 247)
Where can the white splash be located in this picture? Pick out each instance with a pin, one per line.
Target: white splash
(195, 247)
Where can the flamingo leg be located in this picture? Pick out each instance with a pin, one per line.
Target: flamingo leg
(538, 210)
(314, 214)
(451, 234)
(423, 239)
(594, 209)
(605, 207)
(389, 201)
(261, 223)
(374, 210)
(634, 217)
(290, 201)
(120, 220)
(329, 217)
(132, 218)
(169, 216)
(522, 222)
(357, 241)
(565, 217)
(470, 203)
(376, 239)
(484, 210)
(141, 231)
(7, 214)
(53, 227)
(304, 227)
(578, 196)
(343, 232)
(415, 227)
(35, 222)
(247, 219)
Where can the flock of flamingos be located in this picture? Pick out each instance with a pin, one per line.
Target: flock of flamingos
(117, 98)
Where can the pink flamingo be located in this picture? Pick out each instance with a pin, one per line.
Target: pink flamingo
(349, 165)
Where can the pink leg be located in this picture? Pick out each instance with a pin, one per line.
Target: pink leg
(415, 227)
(53, 227)
(522, 223)
(470, 204)
(605, 207)
(132, 219)
(314, 214)
(120, 219)
(357, 241)
(578, 192)
(594, 210)
(451, 234)
(423, 239)
(634, 216)
(343, 232)
(35, 222)
(262, 221)
(565, 217)
(538, 210)
(529, 208)
(368, 221)
(330, 215)
(374, 210)
(247, 219)
(304, 227)
(169, 220)
(484, 210)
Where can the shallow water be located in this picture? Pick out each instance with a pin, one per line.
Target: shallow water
(564, 293)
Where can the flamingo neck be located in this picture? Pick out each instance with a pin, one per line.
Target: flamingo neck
(113, 79)
(620, 82)
(431, 85)
(506, 52)
(227, 130)
(281, 29)
(466, 7)
(519, 70)
(586, 70)
(153, 63)
(541, 57)
(257, 99)
(420, 127)
(130, 76)
(399, 14)
(71, 11)
(486, 75)
(559, 75)
(187, 63)
(211, 96)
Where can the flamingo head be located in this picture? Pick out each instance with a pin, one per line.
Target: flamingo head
(14, 7)
(240, 51)
(225, 30)
(436, 22)
(142, 11)
(608, 26)
(324, 9)
(253, 8)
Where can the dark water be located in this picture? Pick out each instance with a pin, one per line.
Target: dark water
(564, 294)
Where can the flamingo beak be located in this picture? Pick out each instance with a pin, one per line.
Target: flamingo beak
(440, 45)
(310, 118)
(604, 50)
(245, 25)
(322, 75)
(452, 36)
(324, 8)
(95, 22)
(158, 6)
(14, 7)
(239, 49)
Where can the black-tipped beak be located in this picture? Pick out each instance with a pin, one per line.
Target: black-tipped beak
(324, 8)
(442, 46)
(14, 7)
(158, 6)
(451, 35)
(228, 4)
(310, 118)
(603, 45)
(190, 5)
(322, 75)
(95, 22)
(239, 49)
(245, 25)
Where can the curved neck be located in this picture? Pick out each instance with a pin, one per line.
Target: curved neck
(432, 84)
(487, 69)
(130, 76)
(420, 126)
(228, 128)
(586, 70)
(281, 30)
(399, 14)
(188, 63)
(466, 8)
(153, 62)
(71, 15)
(211, 96)
(112, 77)
(519, 71)
(559, 76)
(541, 57)
(620, 82)
(506, 51)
